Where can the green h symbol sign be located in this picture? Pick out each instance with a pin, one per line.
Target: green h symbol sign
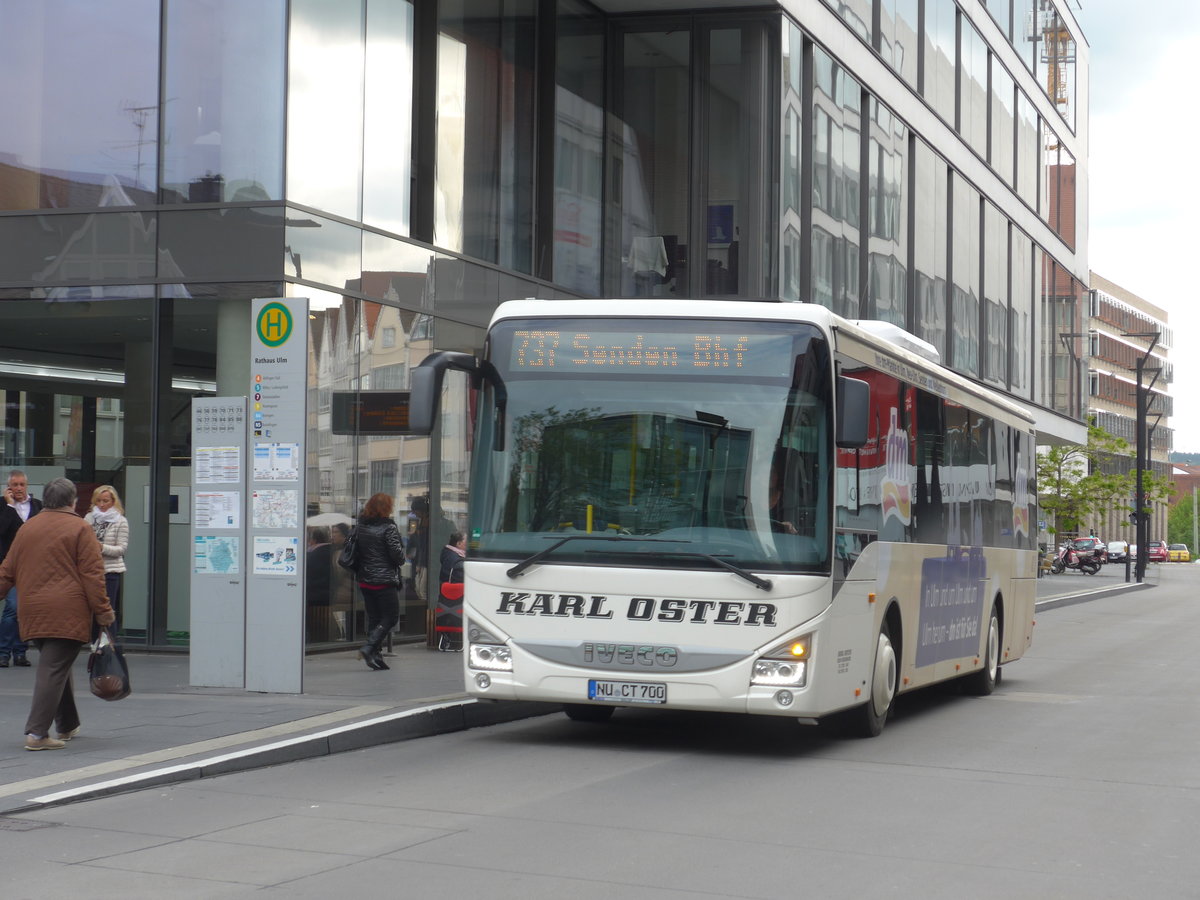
(274, 324)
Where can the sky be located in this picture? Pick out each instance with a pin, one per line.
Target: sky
(1144, 196)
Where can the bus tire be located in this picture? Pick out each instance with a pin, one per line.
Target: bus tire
(984, 681)
(868, 720)
(584, 712)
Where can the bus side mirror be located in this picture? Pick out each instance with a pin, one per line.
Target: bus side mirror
(426, 387)
(853, 412)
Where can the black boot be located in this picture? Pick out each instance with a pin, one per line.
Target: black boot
(369, 652)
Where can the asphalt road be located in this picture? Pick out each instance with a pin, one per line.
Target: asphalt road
(1078, 778)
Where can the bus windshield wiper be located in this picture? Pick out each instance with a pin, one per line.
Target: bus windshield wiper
(763, 584)
(542, 554)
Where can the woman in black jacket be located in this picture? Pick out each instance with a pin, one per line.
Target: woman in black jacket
(379, 553)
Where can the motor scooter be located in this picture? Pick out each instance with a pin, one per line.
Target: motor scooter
(1070, 558)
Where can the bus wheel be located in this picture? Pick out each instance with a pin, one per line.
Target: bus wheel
(984, 681)
(581, 712)
(868, 719)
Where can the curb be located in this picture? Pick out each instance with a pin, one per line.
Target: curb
(405, 725)
(389, 728)
(1095, 594)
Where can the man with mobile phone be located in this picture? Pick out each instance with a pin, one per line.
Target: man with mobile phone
(16, 508)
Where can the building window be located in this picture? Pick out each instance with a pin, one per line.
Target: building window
(887, 206)
(837, 186)
(222, 143)
(930, 236)
(965, 264)
(485, 131)
(941, 57)
(973, 89)
(389, 337)
(389, 378)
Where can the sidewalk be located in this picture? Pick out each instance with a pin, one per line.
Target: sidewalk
(168, 731)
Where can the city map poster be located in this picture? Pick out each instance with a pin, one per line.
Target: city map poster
(276, 509)
(276, 555)
(216, 554)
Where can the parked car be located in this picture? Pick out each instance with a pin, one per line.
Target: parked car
(1157, 551)
(1092, 545)
(1118, 551)
(1178, 553)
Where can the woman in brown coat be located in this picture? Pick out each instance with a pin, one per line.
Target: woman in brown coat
(56, 565)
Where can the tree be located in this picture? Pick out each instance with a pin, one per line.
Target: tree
(1073, 486)
(1179, 524)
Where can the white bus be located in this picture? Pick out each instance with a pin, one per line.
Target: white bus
(734, 506)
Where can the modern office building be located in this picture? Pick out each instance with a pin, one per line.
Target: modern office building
(1123, 331)
(407, 165)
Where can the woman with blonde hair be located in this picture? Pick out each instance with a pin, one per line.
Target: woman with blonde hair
(112, 530)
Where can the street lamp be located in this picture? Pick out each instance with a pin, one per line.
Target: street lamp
(1141, 518)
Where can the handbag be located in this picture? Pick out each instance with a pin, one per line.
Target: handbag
(348, 557)
(108, 673)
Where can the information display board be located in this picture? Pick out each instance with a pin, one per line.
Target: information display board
(218, 576)
(275, 496)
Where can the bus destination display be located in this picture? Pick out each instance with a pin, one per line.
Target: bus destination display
(627, 351)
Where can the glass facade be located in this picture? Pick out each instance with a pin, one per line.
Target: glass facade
(221, 142)
(407, 166)
(72, 141)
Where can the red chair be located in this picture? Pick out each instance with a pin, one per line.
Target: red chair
(448, 618)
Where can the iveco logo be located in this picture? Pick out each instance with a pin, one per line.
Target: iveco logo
(630, 655)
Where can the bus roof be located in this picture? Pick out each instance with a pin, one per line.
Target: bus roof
(762, 310)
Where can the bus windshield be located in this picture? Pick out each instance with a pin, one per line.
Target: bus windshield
(667, 443)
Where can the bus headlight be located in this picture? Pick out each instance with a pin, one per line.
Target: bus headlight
(492, 657)
(784, 665)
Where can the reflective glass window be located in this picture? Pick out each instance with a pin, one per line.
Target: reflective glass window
(1021, 312)
(837, 186)
(856, 14)
(1001, 11)
(965, 263)
(899, 27)
(1060, 180)
(387, 115)
(1059, 363)
(78, 248)
(930, 235)
(579, 148)
(1056, 61)
(485, 139)
(323, 250)
(222, 142)
(1048, 197)
(240, 244)
(887, 271)
(738, 244)
(941, 59)
(649, 162)
(1003, 122)
(1026, 34)
(791, 161)
(80, 103)
(76, 371)
(1029, 156)
(995, 296)
(973, 86)
(325, 106)
(397, 271)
